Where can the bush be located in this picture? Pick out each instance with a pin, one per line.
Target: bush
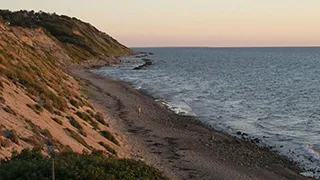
(36, 108)
(69, 165)
(108, 148)
(99, 117)
(4, 142)
(74, 103)
(74, 122)
(90, 112)
(9, 110)
(77, 137)
(57, 120)
(110, 137)
(87, 118)
(12, 135)
(84, 116)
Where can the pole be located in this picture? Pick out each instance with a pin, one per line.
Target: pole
(53, 173)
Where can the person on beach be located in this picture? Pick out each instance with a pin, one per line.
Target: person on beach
(139, 111)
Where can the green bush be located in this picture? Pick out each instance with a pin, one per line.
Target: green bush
(74, 122)
(74, 103)
(69, 165)
(36, 108)
(12, 135)
(87, 118)
(108, 148)
(110, 137)
(57, 120)
(99, 117)
(77, 137)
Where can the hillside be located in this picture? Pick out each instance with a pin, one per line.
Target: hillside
(81, 40)
(42, 107)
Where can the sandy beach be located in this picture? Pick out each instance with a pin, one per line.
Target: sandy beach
(180, 146)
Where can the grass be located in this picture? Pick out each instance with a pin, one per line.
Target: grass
(110, 137)
(108, 148)
(68, 165)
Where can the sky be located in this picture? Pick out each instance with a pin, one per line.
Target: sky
(203, 23)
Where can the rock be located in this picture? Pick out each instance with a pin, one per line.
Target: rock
(148, 62)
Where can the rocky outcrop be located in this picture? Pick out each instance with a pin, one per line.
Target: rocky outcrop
(147, 62)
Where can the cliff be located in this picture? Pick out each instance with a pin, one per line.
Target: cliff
(42, 107)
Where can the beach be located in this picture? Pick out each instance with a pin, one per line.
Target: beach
(179, 146)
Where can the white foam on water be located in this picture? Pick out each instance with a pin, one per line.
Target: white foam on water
(180, 108)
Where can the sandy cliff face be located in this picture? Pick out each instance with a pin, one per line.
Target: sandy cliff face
(41, 106)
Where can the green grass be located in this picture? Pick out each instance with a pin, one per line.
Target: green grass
(110, 137)
(69, 165)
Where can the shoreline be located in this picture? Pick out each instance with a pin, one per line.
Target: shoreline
(180, 146)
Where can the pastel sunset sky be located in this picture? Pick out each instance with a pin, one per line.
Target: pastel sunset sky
(216, 23)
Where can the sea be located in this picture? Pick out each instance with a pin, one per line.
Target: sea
(272, 94)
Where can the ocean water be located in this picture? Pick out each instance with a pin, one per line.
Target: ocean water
(269, 93)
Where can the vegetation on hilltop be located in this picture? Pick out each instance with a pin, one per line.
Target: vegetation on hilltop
(69, 165)
(82, 40)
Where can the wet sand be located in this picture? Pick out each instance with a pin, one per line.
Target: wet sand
(180, 146)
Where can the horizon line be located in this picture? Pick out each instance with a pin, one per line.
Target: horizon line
(311, 46)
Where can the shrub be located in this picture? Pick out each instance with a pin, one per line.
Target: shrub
(108, 148)
(74, 122)
(9, 110)
(69, 165)
(110, 137)
(2, 100)
(77, 137)
(74, 103)
(99, 117)
(4, 142)
(84, 116)
(90, 112)
(36, 141)
(12, 135)
(87, 118)
(57, 120)
(36, 108)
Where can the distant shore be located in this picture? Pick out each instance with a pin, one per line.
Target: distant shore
(180, 146)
